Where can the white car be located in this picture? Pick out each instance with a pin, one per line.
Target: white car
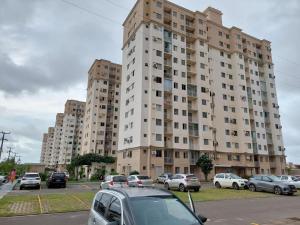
(2, 179)
(139, 181)
(183, 182)
(290, 179)
(113, 181)
(30, 180)
(229, 180)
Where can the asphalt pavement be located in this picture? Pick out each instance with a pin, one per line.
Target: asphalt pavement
(262, 211)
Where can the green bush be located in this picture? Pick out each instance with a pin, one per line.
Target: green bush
(43, 176)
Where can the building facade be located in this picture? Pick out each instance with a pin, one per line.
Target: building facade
(100, 132)
(192, 86)
(48, 147)
(71, 131)
(58, 130)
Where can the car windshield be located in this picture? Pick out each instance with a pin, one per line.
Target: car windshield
(274, 178)
(295, 179)
(119, 179)
(31, 175)
(233, 176)
(143, 177)
(161, 211)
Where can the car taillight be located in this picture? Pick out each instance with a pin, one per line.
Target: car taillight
(111, 183)
(139, 182)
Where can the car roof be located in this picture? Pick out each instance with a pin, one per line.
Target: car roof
(31, 173)
(132, 192)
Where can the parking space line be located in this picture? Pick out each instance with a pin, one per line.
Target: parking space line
(40, 204)
(86, 186)
(78, 199)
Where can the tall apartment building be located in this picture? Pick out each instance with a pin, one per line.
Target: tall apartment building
(71, 131)
(100, 133)
(47, 147)
(192, 86)
(58, 130)
(43, 148)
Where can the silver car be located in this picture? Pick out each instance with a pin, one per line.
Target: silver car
(114, 181)
(139, 181)
(291, 180)
(270, 183)
(163, 177)
(141, 206)
(183, 182)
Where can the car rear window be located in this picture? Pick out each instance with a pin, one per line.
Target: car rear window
(31, 175)
(120, 179)
(58, 175)
(191, 177)
(143, 177)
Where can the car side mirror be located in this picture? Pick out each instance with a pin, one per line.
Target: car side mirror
(202, 218)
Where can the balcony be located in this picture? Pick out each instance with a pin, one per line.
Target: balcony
(168, 103)
(192, 107)
(190, 48)
(189, 26)
(194, 129)
(167, 117)
(168, 63)
(167, 85)
(168, 160)
(167, 17)
(194, 156)
(168, 130)
(191, 59)
(256, 164)
(192, 90)
(191, 71)
(272, 165)
(190, 36)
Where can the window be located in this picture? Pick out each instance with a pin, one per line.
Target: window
(205, 141)
(177, 155)
(158, 137)
(158, 153)
(228, 144)
(158, 53)
(101, 203)
(114, 211)
(176, 139)
(158, 122)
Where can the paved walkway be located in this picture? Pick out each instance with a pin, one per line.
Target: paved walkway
(5, 188)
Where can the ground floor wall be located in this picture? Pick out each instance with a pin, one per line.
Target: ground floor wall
(153, 161)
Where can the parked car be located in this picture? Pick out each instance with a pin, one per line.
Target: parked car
(114, 181)
(270, 183)
(138, 206)
(229, 180)
(163, 177)
(139, 181)
(291, 180)
(3, 179)
(57, 179)
(183, 182)
(67, 174)
(30, 180)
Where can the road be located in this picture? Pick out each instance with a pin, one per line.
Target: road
(262, 211)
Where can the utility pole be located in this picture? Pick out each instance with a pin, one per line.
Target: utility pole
(9, 152)
(2, 140)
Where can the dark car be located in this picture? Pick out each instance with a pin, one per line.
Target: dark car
(140, 206)
(270, 183)
(57, 180)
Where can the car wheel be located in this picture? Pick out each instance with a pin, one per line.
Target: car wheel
(167, 186)
(182, 188)
(277, 190)
(235, 186)
(217, 185)
(21, 187)
(252, 187)
(38, 187)
(196, 189)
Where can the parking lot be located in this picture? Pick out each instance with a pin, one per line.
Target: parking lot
(70, 205)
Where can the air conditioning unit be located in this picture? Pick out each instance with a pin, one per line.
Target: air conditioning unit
(153, 152)
(206, 90)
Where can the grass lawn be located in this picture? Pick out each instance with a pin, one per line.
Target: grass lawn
(213, 194)
(49, 203)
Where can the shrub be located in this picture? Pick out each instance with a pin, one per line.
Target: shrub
(134, 172)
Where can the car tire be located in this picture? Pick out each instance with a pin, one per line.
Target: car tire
(167, 186)
(277, 190)
(217, 185)
(196, 189)
(38, 187)
(182, 188)
(21, 187)
(235, 186)
(252, 188)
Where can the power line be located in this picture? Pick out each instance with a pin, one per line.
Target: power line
(9, 151)
(2, 140)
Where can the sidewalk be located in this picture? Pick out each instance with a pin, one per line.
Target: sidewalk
(5, 188)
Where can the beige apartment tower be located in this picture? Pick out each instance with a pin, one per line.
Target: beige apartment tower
(192, 86)
(100, 133)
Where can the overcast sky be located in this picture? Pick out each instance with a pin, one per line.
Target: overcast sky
(47, 47)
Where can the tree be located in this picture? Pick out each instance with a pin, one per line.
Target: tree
(205, 163)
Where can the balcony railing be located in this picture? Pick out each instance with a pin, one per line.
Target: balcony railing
(168, 160)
